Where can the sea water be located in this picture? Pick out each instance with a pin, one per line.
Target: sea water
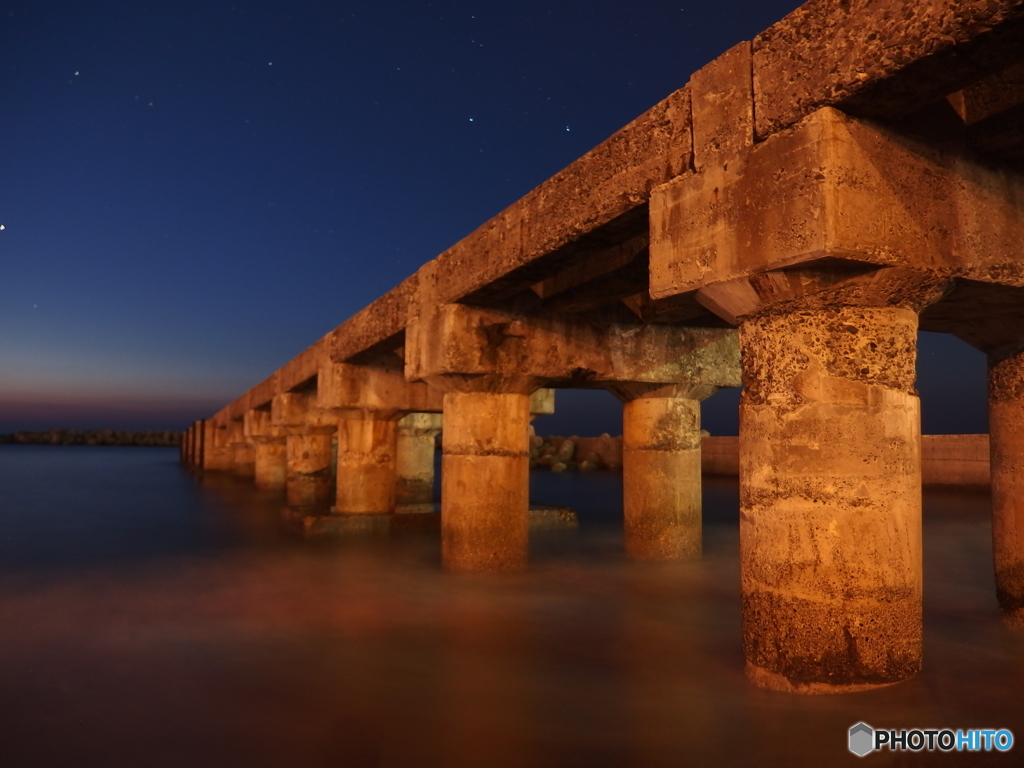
(150, 616)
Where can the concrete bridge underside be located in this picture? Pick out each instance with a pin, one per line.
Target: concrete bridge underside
(788, 220)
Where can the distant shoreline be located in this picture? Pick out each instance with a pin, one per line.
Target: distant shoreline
(153, 438)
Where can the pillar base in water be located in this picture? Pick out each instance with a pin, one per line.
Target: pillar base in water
(309, 480)
(1006, 435)
(830, 499)
(485, 480)
(764, 678)
(661, 478)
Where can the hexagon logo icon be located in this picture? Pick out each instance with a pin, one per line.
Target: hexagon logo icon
(862, 738)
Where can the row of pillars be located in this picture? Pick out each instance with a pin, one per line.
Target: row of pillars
(830, 486)
(386, 465)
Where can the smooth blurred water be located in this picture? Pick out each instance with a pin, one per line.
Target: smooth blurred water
(149, 617)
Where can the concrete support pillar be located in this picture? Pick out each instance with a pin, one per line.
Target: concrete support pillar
(415, 461)
(271, 462)
(198, 443)
(485, 481)
(830, 498)
(310, 478)
(1006, 435)
(243, 450)
(218, 454)
(367, 452)
(661, 478)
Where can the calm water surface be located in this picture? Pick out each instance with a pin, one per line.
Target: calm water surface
(152, 618)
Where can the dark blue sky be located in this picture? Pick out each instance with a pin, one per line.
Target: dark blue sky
(193, 192)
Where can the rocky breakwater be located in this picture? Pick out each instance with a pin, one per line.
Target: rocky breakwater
(164, 438)
(583, 454)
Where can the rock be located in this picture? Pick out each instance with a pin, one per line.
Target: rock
(559, 467)
(565, 451)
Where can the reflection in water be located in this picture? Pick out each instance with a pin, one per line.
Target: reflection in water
(150, 618)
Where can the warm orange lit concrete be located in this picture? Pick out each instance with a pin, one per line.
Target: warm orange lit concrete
(661, 478)
(854, 155)
(830, 499)
(310, 480)
(415, 461)
(243, 450)
(367, 453)
(271, 456)
(485, 481)
(271, 462)
(1006, 432)
(218, 454)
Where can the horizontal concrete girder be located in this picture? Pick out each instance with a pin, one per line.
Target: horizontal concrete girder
(466, 341)
(834, 187)
(381, 388)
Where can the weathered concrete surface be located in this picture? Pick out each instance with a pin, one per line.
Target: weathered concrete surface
(218, 454)
(271, 450)
(485, 481)
(1006, 427)
(367, 455)
(661, 478)
(722, 99)
(309, 434)
(878, 59)
(945, 459)
(830, 499)
(309, 480)
(416, 445)
(243, 450)
(457, 340)
(381, 387)
(833, 187)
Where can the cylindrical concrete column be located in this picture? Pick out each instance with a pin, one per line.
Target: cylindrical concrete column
(244, 459)
(485, 482)
(271, 462)
(1006, 436)
(218, 454)
(661, 478)
(366, 463)
(310, 479)
(830, 499)
(415, 460)
(200, 445)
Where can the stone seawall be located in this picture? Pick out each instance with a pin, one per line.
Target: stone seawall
(946, 459)
(152, 438)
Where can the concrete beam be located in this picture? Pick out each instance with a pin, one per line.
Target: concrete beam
(458, 341)
(834, 187)
(878, 59)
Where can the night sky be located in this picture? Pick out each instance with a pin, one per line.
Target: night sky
(194, 192)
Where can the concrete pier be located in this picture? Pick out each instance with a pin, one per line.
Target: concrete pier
(825, 188)
(243, 450)
(1006, 433)
(309, 455)
(414, 462)
(309, 480)
(830, 499)
(218, 454)
(661, 477)
(271, 451)
(485, 481)
(367, 462)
